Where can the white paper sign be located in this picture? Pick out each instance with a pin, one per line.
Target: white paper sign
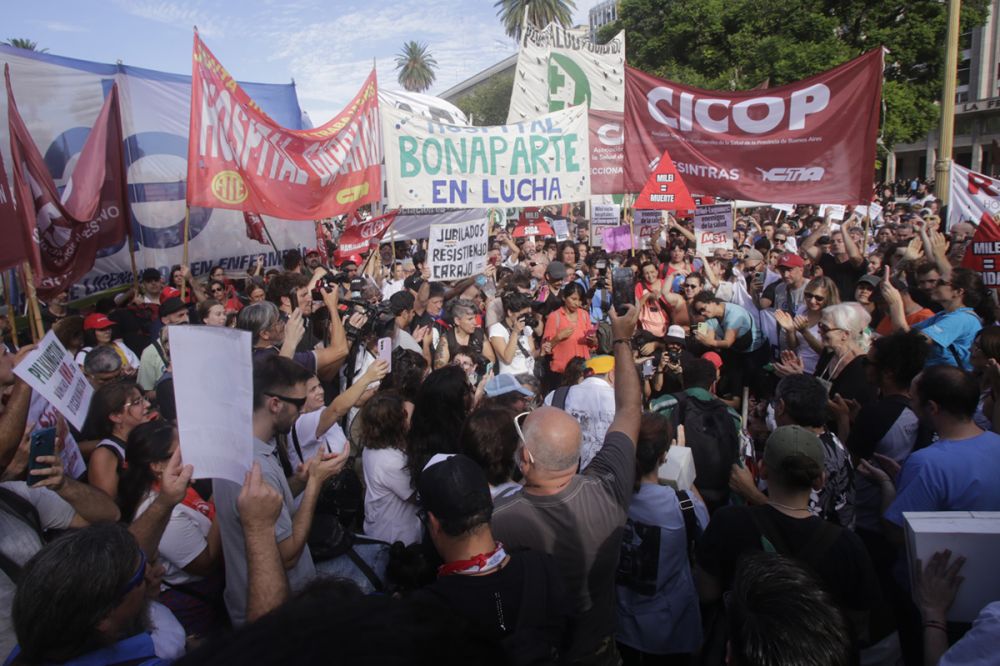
(788, 208)
(561, 227)
(457, 251)
(213, 388)
(603, 216)
(837, 211)
(51, 371)
(713, 227)
(875, 211)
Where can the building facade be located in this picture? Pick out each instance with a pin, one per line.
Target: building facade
(602, 14)
(977, 111)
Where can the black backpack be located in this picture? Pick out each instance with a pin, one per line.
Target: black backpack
(714, 442)
(25, 511)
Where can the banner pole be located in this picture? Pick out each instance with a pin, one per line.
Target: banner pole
(11, 310)
(34, 311)
(135, 269)
(184, 256)
(268, 233)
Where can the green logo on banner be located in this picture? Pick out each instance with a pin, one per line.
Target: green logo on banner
(567, 83)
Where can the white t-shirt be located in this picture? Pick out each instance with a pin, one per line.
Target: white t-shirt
(184, 539)
(20, 542)
(390, 287)
(389, 516)
(333, 440)
(43, 415)
(592, 403)
(169, 639)
(521, 363)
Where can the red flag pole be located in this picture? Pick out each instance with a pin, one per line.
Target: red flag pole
(267, 233)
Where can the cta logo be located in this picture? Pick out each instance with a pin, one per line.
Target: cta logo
(228, 187)
(791, 174)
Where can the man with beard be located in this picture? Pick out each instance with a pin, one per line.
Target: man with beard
(279, 394)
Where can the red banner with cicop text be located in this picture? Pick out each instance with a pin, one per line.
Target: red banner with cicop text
(60, 233)
(240, 159)
(805, 142)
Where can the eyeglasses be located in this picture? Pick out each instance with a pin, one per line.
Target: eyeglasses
(132, 403)
(298, 403)
(217, 290)
(814, 297)
(825, 328)
(520, 435)
(692, 286)
(137, 578)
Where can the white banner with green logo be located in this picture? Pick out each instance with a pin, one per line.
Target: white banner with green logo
(531, 163)
(558, 68)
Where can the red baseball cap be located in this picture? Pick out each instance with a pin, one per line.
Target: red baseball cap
(353, 258)
(714, 358)
(96, 322)
(313, 250)
(791, 260)
(169, 292)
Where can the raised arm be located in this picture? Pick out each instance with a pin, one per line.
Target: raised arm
(331, 357)
(628, 391)
(148, 528)
(853, 251)
(343, 402)
(267, 584)
(808, 246)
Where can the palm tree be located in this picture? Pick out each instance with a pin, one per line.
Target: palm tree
(540, 14)
(26, 44)
(416, 67)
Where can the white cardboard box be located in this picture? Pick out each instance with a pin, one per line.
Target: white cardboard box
(678, 471)
(972, 534)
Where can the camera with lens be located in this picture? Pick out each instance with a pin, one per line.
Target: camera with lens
(328, 282)
(674, 355)
(530, 319)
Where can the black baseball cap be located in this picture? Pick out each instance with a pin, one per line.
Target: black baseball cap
(454, 488)
(171, 305)
(151, 274)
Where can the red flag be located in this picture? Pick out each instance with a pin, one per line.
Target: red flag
(15, 247)
(62, 235)
(983, 251)
(255, 227)
(808, 141)
(359, 235)
(240, 159)
(664, 189)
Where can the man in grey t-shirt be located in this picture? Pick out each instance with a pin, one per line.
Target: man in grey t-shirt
(279, 393)
(579, 518)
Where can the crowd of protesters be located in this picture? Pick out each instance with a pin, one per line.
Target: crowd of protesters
(501, 492)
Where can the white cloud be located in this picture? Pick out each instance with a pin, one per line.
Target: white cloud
(59, 26)
(177, 14)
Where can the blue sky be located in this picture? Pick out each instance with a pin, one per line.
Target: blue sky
(326, 47)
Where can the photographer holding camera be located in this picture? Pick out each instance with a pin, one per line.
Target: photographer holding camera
(512, 337)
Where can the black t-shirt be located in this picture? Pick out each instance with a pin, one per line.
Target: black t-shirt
(852, 382)
(845, 569)
(844, 275)
(925, 301)
(523, 605)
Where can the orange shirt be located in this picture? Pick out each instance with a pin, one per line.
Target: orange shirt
(885, 326)
(575, 344)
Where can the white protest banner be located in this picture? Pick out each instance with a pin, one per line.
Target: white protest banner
(213, 388)
(837, 211)
(975, 197)
(874, 210)
(561, 227)
(458, 251)
(559, 67)
(51, 371)
(59, 95)
(713, 227)
(436, 165)
(603, 216)
(787, 208)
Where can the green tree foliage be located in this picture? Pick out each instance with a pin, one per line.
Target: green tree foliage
(488, 104)
(739, 44)
(23, 43)
(415, 66)
(540, 13)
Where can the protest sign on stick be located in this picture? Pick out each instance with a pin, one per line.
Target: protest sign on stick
(213, 388)
(713, 228)
(53, 373)
(458, 251)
